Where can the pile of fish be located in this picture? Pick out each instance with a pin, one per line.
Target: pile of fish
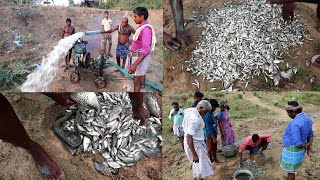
(252, 166)
(107, 127)
(242, 41)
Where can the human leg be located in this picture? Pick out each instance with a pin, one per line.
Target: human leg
(12, 131)
(137, 83)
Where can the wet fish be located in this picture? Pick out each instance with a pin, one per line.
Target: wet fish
(86, 99)
(151, 102)
(247, 42)
(114, 133)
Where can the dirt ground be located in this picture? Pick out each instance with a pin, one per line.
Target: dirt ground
(37, 114)
(42, 33)
(273, 120)
(175, 69)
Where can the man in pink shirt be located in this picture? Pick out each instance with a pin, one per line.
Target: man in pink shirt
(141, 48)
(254, 143)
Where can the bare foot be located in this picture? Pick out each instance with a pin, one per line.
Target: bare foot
(45, 164)
(284, 177)
(141, 113)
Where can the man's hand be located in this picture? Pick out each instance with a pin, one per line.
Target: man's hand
(61, 98)
(310, 150)
(174, 112)
(108, 35)
(184, 38)
(195, 158)
(170, 42)
(287, 12)
(132, 69)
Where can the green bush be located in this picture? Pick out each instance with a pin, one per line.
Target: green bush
(10, 77)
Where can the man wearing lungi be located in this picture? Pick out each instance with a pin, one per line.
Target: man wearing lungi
(176, 114)
(144, 41)
(194, 145)
(124, 32)
(297, 140)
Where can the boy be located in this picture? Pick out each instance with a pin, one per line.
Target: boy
(143, 41)
(106, 26)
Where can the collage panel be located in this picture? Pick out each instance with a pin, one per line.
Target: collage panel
(58, 46)
(257, 126)
(84, 135)
(241, 45)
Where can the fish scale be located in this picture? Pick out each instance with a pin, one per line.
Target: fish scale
(237, 47)
(112, 131)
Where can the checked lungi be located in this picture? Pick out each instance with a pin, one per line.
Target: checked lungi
(178, 130)
(204, 161)
(291, 158)
(122, 50)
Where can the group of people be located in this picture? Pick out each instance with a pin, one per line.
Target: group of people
(187, 124)
(197, 129)
(143, 43)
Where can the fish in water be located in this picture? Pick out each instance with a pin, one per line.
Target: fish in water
(113, 132)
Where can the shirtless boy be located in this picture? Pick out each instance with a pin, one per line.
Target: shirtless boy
(67, 31)
(124, 32)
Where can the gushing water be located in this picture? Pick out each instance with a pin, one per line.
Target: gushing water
(40, 79)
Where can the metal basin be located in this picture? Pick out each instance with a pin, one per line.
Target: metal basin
(243, 175)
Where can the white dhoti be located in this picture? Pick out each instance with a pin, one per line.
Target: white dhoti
(205, 167)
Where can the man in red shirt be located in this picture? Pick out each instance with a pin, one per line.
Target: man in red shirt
(254, 143)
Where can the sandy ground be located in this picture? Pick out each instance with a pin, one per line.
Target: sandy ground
(175, 69)
(274, 121)
(37, 114)
(44, 33)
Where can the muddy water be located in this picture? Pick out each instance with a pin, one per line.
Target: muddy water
(41, 78)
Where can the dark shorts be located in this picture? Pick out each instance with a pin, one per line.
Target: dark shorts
(122, 50)
(262, 143)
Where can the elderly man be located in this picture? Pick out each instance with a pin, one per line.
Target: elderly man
(297, 140)
(194, 145)
(124, 32)
(254, 143)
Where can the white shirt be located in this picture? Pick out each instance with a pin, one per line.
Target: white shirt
(193, 124)
(106, 24)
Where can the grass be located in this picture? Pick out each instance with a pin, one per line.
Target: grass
(72, 178)
(281, 99)
(27, 108)
(11, 76)
(318, 48)
(129, 4)
(167, 56)
(3, 46)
